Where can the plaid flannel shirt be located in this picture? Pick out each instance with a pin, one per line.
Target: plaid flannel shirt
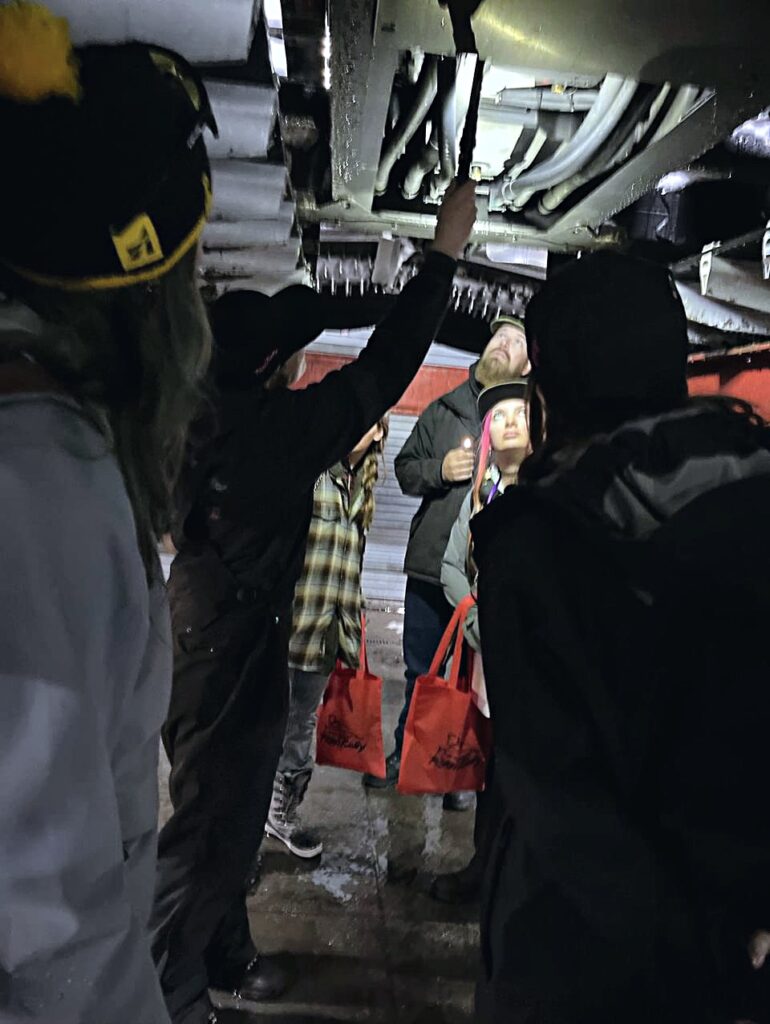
(327, 601)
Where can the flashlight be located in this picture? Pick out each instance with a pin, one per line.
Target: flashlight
(467, 443)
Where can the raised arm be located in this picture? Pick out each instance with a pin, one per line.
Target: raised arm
(328, 418)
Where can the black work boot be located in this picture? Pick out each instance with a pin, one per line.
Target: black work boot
(463, 800)
(201, 1012)
(463, 886)
(392, 768)
(262, 981)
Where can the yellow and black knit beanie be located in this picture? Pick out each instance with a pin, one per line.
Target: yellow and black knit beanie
(104, 182)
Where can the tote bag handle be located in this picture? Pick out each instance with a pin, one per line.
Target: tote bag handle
(363, 660)
(454, 629)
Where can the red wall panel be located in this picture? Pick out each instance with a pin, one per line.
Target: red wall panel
(745, 376)
(429, 384)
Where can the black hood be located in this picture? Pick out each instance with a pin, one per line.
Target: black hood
(635, 479)
(607, 338)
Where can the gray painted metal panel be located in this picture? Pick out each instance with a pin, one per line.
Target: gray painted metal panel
(206, 31)
(708, 42)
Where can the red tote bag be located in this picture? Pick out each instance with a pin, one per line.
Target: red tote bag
(349, 731)
(447, 740)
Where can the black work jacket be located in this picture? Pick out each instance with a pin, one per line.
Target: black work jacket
(246, 495)
(442, 426)
(623, 605)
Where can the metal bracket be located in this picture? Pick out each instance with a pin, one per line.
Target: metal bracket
(706, 263)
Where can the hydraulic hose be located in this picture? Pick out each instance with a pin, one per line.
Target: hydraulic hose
(616, 148)
(614, 96)
(447, 125)
(550, 148)
(580, 100)
(427, 86)
(426, 162)
(684, 100)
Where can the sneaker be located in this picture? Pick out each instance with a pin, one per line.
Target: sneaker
(462, 801)
(392, 768)
(283, 821)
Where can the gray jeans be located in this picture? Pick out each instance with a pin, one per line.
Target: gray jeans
(307, 689)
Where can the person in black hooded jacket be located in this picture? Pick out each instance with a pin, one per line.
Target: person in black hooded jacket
(245, 504)
(623, 604)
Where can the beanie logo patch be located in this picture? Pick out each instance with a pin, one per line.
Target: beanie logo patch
(137, 245)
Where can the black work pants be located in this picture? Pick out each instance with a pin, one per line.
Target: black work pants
(223, 737)
(489, 818)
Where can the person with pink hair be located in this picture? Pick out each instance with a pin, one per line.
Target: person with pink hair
(503, 446)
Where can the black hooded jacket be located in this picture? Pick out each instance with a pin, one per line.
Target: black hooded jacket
(245, 497)
(624, 603)
(442, 426)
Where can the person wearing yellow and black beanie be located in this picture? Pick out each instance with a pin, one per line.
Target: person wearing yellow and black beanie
(103, 340)
(105, 180)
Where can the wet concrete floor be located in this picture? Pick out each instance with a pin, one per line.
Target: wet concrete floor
(362, 939)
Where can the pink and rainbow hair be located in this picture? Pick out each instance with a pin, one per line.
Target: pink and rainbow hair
(482, 460)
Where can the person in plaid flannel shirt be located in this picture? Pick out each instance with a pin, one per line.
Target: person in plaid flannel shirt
(326, 623)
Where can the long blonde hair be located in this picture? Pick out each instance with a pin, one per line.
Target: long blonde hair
(370, 473)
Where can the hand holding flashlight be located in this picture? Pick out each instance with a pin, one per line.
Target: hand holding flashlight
(457, 466)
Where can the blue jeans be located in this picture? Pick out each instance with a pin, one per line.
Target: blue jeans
(426, 615)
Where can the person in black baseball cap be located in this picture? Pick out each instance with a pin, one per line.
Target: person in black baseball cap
(243, 513)
(623, 604)
(103, 346)
(256, 334)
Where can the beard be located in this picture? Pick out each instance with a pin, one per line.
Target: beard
(492, 370)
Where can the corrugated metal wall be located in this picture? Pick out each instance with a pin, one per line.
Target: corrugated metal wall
(384, 559)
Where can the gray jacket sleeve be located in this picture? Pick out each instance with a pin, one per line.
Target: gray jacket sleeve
(454, 575)
(417, 465)
(71, 948)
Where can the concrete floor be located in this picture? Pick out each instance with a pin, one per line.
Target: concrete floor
(362, 939)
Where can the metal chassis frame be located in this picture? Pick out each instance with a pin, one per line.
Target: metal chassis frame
(369, 35)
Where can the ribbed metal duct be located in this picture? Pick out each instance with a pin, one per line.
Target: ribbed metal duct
(270, 259)
(725, 317)
(242, 234)
(246, 191)
(268, 283)
(204, 31)
(245, 116)
(738, 282)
